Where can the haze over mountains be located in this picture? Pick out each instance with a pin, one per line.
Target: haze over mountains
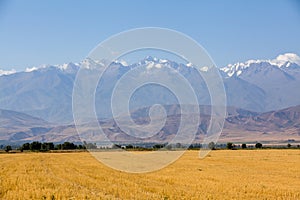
(254, 86)
(240, 126)
(267, 84)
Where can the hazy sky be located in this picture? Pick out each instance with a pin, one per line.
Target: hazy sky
(35, 32)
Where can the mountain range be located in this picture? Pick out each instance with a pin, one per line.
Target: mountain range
(240, 126)
(268, 89)
(255, 85)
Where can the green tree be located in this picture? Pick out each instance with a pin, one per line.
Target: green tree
(244, 146)
(47, 146)
(229, 145)
(289, 145)
(80, 146)
(8, 148)
(68, 145)
(258, 145)
(25, 146)
(158, 146)
(35, 146)
(58, 147)
(212, 145)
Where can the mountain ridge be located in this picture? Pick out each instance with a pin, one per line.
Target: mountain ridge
(285, 60)
(46, 92)
(240, 126)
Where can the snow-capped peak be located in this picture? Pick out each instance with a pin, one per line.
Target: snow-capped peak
(237, 68)
(287, 61)
(122, 62)
(189, 64)
(31, 69)
(7, 72)
(284, 60)
(67, 67)
(89, 63)
(64, 66)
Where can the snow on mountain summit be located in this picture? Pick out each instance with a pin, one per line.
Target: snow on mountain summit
(7, 72)
(66, 67)
(283, 60)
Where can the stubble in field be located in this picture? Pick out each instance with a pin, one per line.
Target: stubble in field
(249, 174)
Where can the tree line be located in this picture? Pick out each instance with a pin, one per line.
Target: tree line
(47, 146)
(228, 145)
(231, 145)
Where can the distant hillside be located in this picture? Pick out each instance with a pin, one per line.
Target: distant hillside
(16, 126)
(240, 126)
(281, 125)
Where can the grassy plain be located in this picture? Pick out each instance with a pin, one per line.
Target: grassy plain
(223, 174)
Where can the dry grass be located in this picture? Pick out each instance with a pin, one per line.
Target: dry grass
(261, 174)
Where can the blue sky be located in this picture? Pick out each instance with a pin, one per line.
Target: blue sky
(35, 32)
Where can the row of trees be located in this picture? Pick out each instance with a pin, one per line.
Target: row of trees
(258, 145)
(230, 145)
(47, 146)
(211, 145)
(243, 146)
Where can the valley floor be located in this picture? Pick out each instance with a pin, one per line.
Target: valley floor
(223, 174)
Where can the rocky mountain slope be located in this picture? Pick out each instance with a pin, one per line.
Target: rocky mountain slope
(240, 126)
(46, 91)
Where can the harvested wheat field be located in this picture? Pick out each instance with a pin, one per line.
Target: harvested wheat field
(223, 174)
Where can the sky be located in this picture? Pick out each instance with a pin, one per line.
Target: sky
(35, 32)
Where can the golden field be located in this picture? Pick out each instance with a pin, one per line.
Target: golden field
(223, 174)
